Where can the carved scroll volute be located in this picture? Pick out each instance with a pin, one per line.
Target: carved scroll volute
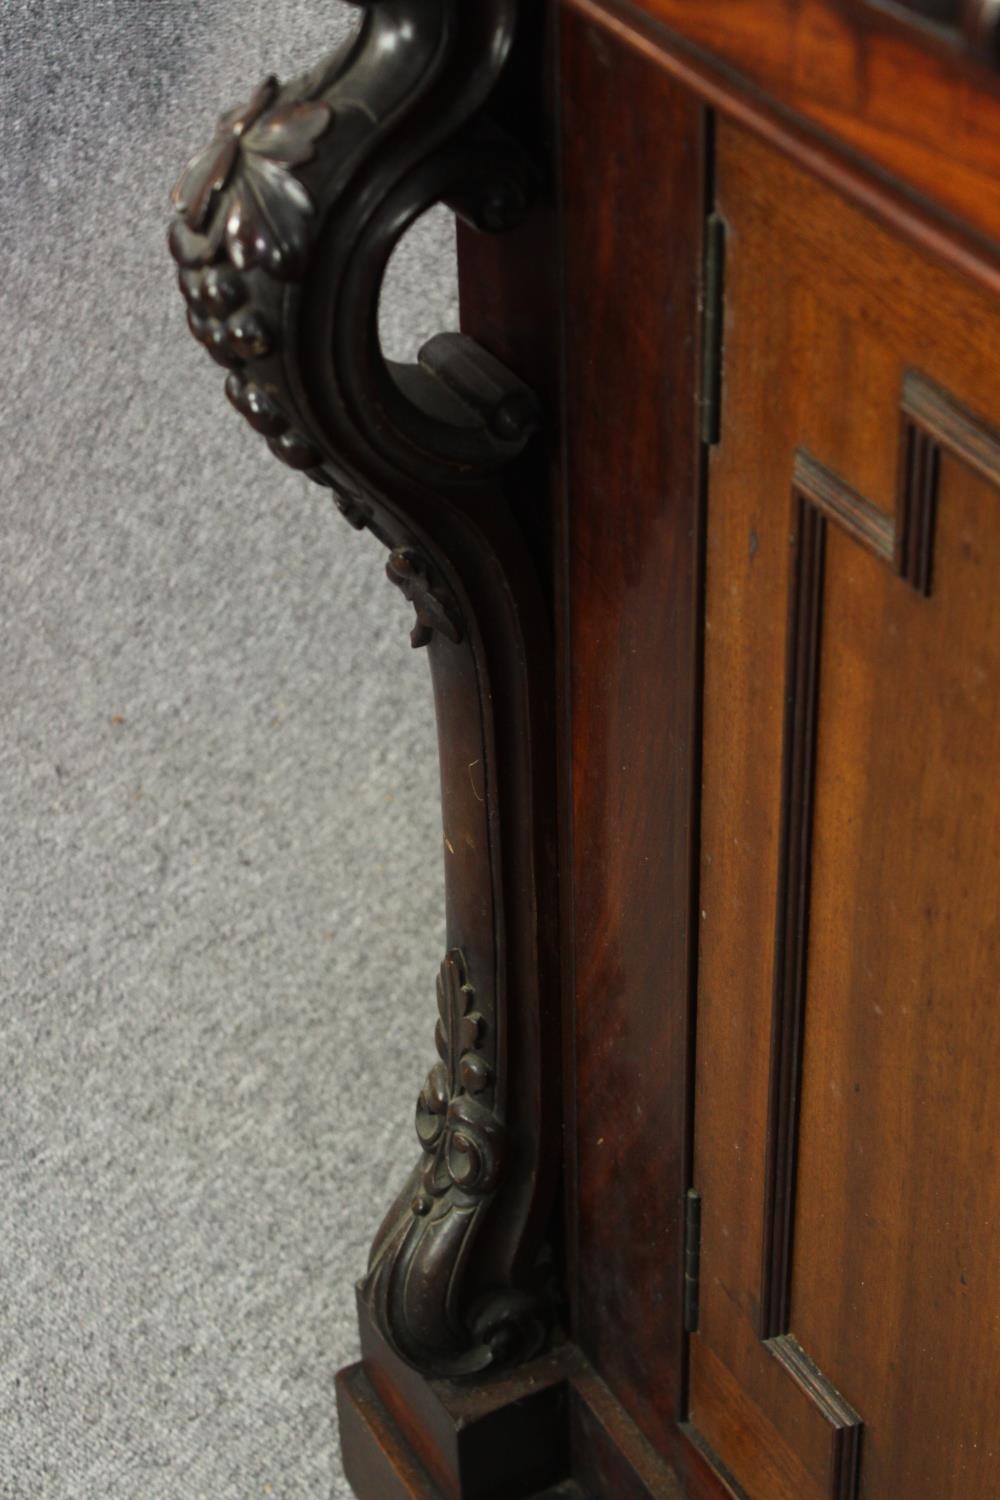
(284, 226)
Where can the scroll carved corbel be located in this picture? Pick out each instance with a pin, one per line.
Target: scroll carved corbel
(284, 226)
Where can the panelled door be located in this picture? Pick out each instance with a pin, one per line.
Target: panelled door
(847, 1096)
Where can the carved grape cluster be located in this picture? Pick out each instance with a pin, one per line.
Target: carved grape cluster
(241, 206)
(220, 315)
(459, 1132)
(266, 416)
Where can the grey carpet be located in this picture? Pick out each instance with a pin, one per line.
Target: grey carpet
(221, 906)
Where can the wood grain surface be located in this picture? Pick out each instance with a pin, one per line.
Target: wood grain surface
(847, 1033)
(631, 530)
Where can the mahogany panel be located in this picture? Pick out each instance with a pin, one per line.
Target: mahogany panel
(377, 1460)
(767, 1464)
(931, 421)
(819, 497)
(875, 169)
(632, 213)
(847, 1035)
(610, 1456)
(899, 1192)
(929, 116)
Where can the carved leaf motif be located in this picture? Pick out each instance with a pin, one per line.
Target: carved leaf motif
(267, 218)
(204, 176)
(240, 193)
(434, 606)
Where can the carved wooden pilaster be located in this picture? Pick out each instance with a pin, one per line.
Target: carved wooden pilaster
(284, 226)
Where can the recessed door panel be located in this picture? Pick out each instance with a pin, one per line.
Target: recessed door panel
(846, 1120)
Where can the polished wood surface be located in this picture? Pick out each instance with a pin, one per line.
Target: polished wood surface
(858, 385)
(972, 245)
(847, 1033)
(927, 115)
(700, 519)
(631, 589)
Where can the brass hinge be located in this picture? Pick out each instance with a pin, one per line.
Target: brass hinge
(692, 1259)
(713, 307)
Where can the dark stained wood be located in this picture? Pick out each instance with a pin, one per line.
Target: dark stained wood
(755, 1453)
(507, 1436)
(850, 861)
(509, 284)
(952, 425)
(981, 29)
(440, 1441)
(632, 260)
(568, 1490)
(610, 1454)
(699, 521)
(282, 233)
(611, 1457)
(377, 1462)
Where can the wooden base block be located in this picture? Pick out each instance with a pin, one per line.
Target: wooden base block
(550, 1430)
(377, 1461)
(506, 1435)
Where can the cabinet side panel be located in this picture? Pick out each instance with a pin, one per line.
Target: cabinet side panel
(632, 205)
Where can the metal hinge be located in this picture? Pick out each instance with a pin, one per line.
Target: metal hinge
(713, 307)
(692, 1259)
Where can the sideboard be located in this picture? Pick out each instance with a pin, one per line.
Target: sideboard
(699, 517)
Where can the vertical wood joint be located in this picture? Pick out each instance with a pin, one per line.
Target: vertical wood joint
(792, 934)
(916, 508)
(692, 1259)
(933, 422)
(713, 309)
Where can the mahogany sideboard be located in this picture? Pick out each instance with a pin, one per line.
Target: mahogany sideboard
(700, 521)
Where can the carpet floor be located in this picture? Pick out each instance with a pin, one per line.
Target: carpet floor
(222, 899)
